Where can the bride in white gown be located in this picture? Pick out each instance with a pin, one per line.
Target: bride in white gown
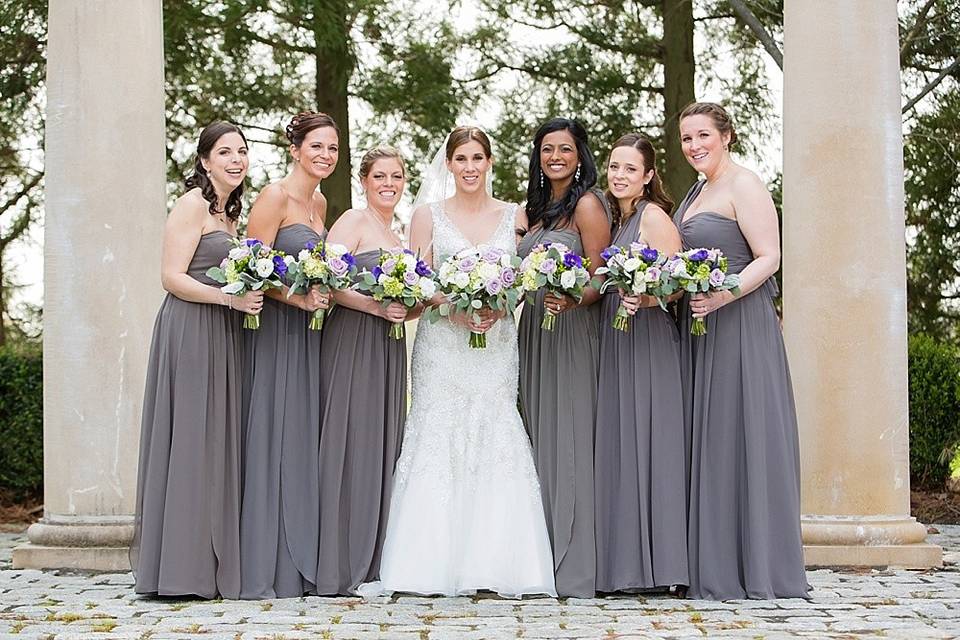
(466, 512)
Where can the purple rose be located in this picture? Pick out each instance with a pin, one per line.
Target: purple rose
(649, 254)
(389, 265)
(252, 241)
(467, 264)
(507, 276)
(699, 255)
(349, 259)
(548, 266)
(279, 266)
(493, 287)
(377, 272)
(572, 260)
(410, 278)
(491, 254)
(716, 278)
(423, 269)
(338, 266)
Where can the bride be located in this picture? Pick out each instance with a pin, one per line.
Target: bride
(466, 512)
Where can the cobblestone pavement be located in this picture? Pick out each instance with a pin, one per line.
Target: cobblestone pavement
(845, 604)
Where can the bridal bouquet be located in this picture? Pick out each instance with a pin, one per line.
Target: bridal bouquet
(475, 278)
(250, 266)
(327, 266)
(552, 266)
(400, 276)
(701, 271)
(636, 270)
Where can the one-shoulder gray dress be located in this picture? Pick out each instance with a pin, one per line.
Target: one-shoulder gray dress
(363, 382)
(187, 534)
(741, 423)
(558, 398)
(641, 509)
(280, 515)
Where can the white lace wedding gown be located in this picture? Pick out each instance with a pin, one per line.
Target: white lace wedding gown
(466, 512)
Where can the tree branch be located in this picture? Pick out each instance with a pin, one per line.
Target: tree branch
(931, 85)
(746, 17)
(27, 187)
(912, 34)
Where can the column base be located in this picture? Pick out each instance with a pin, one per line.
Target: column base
(867, 541)
(102, 546)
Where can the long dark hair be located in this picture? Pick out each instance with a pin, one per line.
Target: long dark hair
(540, 210)
(208, 137)
(652, 191)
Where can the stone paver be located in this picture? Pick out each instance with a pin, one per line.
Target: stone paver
(59, 605)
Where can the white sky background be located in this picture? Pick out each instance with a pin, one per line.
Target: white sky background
(26, 256)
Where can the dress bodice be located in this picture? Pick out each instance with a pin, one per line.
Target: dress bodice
(293, 238)
(210, 252)
(569, 237)
(448, 240)
(629, 231)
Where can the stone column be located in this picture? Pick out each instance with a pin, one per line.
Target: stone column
(104, 214)
(845, 316)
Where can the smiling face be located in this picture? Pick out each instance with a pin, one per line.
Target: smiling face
(703, 144)
(627, 177)
(469, 165)
(558, 155)
(227, 163)
(384, 183)
(318, 152)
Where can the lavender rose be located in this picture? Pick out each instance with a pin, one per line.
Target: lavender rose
(493, 287)
(508, 276)
(548, 266)
(338, 266)
(716, 278)
(410, 278)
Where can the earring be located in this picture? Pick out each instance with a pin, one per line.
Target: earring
(541, 179)
(576, 176)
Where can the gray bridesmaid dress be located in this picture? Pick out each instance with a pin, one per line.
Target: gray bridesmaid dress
(558, 398)
(641, 520)
(741, 424)
(279, 517)
(187, 528)
(363, 382)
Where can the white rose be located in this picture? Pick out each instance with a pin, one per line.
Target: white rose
(632, 264)
(264, 267)
(568, 279)
(461, 279)
(488, 271)
(238, 252)
(410, 261)
(506, 260)
(303, 255)
(289, 260)
(336, 250)
(427, 287)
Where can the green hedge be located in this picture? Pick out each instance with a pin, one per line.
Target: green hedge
(934, 410)
(21, 419)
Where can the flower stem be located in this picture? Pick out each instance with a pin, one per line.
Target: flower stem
(396, 331)
(549, 321)
(316, 321)
(478, 340)
(699, 327)
(621, 321)
(251, 322)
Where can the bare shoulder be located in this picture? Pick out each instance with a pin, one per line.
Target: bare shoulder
(748, 181)
(589, 205)
(422, 215)
(655, 214)
(273, 195)
(190, 208)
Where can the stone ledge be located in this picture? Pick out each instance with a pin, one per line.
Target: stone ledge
(33, 556)
(904, 556)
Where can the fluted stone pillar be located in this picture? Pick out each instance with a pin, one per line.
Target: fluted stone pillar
(105, 207)
(844, 276)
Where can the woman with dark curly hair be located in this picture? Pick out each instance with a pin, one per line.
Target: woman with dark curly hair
(558, 369)
(187, 536)
(281, 494)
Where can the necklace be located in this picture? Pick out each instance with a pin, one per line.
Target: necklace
(386, 226)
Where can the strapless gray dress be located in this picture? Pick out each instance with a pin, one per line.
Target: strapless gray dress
(363, 387)
(558, 398)
(741, 424)
(187, 527)
(280, 514)
(641, 519)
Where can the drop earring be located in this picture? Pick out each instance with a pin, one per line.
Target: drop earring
(576, 176)
(541, 179)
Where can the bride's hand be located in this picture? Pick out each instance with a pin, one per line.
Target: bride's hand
(394, 312)
(478, 322)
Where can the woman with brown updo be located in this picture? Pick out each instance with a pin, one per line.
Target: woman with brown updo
(363, 383)
(280, 516)
(187, 536)
(744, 495)
(640, 486)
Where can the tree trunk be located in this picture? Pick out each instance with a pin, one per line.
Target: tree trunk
(334, 67)
(678, 91)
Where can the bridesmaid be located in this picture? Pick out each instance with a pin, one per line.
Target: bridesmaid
(640, 481)
(558, 369)
(187, 536)
(744, 494)
(363, 390)
(280, 518)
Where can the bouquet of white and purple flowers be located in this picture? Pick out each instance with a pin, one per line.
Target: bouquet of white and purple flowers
(637, 270)
(701, 271)
(552, 266)
(475, 278)
(250, 266)
(327, 266)
(400, 276)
